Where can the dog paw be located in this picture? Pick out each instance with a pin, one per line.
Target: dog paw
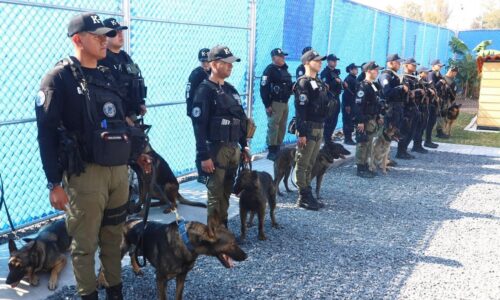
(52, 284)
(34, 280)
(262, 237)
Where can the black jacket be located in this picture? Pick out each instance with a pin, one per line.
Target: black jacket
(275, 84)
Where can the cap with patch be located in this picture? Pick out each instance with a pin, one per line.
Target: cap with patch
(350, 67)
(394, 57)
(437, 62)
(278, 52)
(311, 55)
(371, 65)
(222, 53)
(411, 61)
(422, 69)
(112, 23)
(306, 49)
(203, 54)
(332, 57)
(89, 22)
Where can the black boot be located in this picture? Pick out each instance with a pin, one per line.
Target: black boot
(417, 147)
(304, 201)
(272, 153)
(402, 154)
(430, 144)
(316, 201)
(362, 172)
(348, 140)
(114, 292)
(92, 296)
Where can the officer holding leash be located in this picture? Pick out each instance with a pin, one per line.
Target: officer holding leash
(220, 126)
(85, 142)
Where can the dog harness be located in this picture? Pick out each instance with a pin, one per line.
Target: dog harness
(181, 227)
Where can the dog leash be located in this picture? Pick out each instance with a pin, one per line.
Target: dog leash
(147, 205)
(4, 204)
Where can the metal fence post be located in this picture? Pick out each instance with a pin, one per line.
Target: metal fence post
(251, 55)
(373, 34)
(126, 22)
(330, 26)
(423, 45)
(437, 42)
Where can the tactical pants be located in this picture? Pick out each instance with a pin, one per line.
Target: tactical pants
(408, 127)
(421, 124)
(331, 122)
(347, 121)
(364, 142)
(226, 158)
(306, 156)
(431, 122)
(276, 124)
(97, 209)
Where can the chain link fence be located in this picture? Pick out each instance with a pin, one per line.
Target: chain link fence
(164, 38)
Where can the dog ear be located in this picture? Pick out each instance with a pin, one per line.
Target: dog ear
(12, 246)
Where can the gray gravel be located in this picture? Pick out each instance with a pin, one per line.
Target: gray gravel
(365, 244)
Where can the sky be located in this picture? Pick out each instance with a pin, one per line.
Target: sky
(462, 15)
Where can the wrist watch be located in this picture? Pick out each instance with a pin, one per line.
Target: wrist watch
(51, 185)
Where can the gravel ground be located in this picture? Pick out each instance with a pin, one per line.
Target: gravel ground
(409, 234)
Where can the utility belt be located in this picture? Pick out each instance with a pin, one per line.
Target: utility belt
(110, 145)
(225, 130)
(280, 100)
(280, 92)
(314, 125)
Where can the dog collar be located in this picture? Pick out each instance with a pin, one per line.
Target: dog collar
(181, 227)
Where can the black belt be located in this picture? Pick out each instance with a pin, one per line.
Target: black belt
(315, 125)
(280, 100)
(222, 143)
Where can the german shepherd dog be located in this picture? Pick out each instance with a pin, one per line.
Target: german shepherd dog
(255, 189)
(324, 160)
(169, 255)
(164, 185)
(381, 148)
(283, 167)
(45, 252)
(451, 117)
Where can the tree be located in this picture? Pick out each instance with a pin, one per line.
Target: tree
(467, 77)
(437, 12)
(491, 19)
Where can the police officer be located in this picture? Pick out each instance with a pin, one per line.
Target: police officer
(367, 118)
(125, 71)
(300, 69)
(196, 77)
(361, 76)
(411, 112)
(85, 102)
(448, 88)
(394, 92)
(275, 90)
(219, 125)
(423, 108)
(348, 102)
(331, 76)
(312, 105)
(436, 79)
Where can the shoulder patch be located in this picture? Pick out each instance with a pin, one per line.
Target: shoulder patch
(301, 73)
(263, 82)
(196, 112)
(385, 81)
(360, 94)
(40, 98)
(302, 99)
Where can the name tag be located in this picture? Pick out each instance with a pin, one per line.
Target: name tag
(314, 85)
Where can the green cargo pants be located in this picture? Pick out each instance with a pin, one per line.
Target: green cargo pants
(226, 159)
(306, 157)
(95, 192)
(276, 124)
(364, 149)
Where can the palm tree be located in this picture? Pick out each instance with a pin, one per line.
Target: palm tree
(467, 77)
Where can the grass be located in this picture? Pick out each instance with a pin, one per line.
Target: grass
(460, 136)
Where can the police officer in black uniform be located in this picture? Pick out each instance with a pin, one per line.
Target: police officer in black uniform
(423, 108)
(126, 71)
(197, 76)
(394, 92)
(220, 126)
(411, 111)
(300, 69)
(348, 104)
(436, 80)
(275, 90)
(362, 76)
(331, 76)
(85, 143)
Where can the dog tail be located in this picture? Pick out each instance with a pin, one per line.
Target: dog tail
(185, 201)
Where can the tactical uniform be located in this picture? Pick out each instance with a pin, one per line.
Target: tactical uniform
(423, 106)
(275, 90)
(367, 101)
(300, 71)
(80, 112)
(330, 77)
(312, 106)
(411, 115)
(219, 125)
(348, 101)
(435, 78)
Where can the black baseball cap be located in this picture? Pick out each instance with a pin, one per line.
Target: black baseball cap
(203, 54)
(222, 53)
(423, 69)
(306, 49)
(371, 65)
(278, 52)
(89, 22)
(113, 23)
(437, 62)
(411, 61)
(332, 57)
(350, 67)
(394, 57)
(311, 55)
